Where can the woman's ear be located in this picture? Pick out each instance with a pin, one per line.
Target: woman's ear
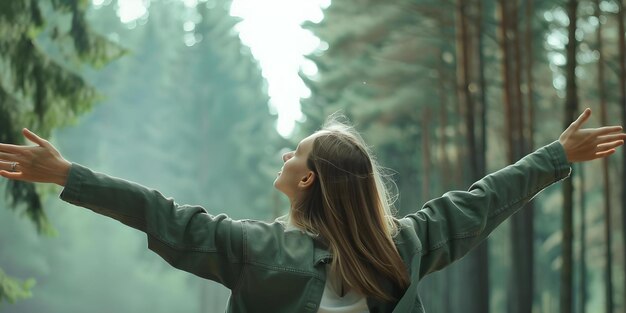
(308, 180)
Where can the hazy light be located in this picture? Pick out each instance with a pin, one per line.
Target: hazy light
(548, 16)
(190, 3)
(131, 10)
(189, 26)
(559, 82)
(609, 7)
(190, 39)
(323, 46)
(556, 40)
(557, 58)
(309, 68)
(272, 29)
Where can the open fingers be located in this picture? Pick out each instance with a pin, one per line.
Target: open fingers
(582, 119)
(8, 157)
(9, 166)
(34, 138)
(606, 130)
(609, 145)
(8, 148)
(11, 175)
(604, 153)
(612, 137)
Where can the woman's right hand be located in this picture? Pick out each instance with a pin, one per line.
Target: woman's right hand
(590, 143)
(41, 163)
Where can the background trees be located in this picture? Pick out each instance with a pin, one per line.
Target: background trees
(37, 91)
(444, 91)
(502, 73)
(185, 111)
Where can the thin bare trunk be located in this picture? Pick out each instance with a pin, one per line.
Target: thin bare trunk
(516, 82)
(466, 101)
(426, 154)
(443, 120)
(502, 12)
(571, 106)
(528, 134)
(608, 272)
(521, 282)
(583, 242)
(530, 101)
(474, 266)
(482, 108)
(622, 104)
(444, 277)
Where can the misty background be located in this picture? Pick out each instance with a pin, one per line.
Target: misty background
(199, 99)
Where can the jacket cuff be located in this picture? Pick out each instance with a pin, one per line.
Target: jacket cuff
(72, 190)
(562, 168)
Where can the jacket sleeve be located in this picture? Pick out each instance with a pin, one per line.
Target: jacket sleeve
(448, 227)
(185, 236)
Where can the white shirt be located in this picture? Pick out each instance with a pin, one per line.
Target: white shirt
(332, 302)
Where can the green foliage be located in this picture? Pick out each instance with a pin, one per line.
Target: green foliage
(189, 121)
(37, 91)
(379, 68)
(13, 290)
(390, 67)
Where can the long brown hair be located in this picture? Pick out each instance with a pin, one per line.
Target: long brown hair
(349, 207)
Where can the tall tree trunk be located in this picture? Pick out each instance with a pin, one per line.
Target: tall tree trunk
(435, 282)
(521, 281)
(571, 106)
(516, 81)
(443, 279)
(528, 133)
(474, 266)
(608, 272)
(522, 222)
(583, 242)
(443, 122)
(426, 183)
(466, 101)
(482, 161)
(502, 12)
(530, 100)
(480, 145)
(622, 104)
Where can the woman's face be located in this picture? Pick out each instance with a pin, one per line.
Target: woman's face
(295, 176)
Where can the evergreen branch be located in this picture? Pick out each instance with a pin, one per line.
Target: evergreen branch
(13, 290)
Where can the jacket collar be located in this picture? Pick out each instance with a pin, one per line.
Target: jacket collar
(320, 252)
(320, 248)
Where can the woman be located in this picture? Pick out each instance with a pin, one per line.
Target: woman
(339, 249)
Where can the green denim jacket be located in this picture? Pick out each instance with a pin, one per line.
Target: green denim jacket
(271, 269)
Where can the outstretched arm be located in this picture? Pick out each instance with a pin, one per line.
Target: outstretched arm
(210, 246)
(43, 163)
(450, 226)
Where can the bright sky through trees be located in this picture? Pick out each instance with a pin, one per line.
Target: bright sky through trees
(271, 28)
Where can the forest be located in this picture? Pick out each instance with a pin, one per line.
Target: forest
(445, 92)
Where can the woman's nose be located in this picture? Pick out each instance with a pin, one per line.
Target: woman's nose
(287, 156)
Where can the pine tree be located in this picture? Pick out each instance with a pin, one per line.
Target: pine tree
(38, 42)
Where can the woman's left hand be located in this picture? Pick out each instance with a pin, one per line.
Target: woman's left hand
(41, 163)
(590, 143)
